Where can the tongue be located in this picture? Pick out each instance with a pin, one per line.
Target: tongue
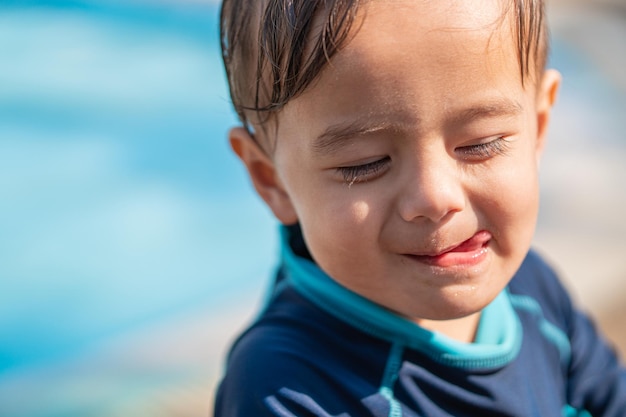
(473, 243)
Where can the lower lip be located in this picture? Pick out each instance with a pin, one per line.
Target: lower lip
(469, 253)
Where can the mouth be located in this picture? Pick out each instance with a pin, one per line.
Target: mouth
(467, 253)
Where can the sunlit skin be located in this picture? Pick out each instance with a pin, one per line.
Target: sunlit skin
(411, 164)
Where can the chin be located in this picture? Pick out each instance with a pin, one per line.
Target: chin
(460, 304)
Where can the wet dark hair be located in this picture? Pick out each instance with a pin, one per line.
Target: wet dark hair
(274, 49)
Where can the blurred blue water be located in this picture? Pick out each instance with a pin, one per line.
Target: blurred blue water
(118, 194)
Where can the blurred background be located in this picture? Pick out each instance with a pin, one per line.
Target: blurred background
(132, 248)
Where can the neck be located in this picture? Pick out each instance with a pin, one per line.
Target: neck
(462, 329)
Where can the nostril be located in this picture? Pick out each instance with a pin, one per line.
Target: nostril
(434, 205)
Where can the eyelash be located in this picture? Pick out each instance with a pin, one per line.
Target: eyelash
(365, 172)
(361, 173)
(481, 151)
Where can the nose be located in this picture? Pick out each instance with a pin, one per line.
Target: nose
(433, 190)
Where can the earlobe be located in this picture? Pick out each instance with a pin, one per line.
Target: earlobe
(263, 174)
(546, 97)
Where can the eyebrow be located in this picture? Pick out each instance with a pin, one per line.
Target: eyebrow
(340, 135)
(492, 109)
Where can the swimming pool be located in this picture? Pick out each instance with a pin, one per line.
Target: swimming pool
(119, 191)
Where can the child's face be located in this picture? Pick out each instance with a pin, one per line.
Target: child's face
(412, 162)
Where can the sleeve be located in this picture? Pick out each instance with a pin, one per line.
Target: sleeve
(257, 367)
(274, 375)
(597, 379)
(259, 385)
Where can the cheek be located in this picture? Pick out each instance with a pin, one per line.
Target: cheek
(517, 207)
(326, 205)
(339, 217)
(359, 212)
(339, 229)
(511, 205)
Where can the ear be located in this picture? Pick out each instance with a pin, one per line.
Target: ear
(546, 97)
(263, 174)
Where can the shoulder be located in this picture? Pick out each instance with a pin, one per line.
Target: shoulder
(536, 280)
(596, 381)
(295, 355)
(535, 274)
(264, 360)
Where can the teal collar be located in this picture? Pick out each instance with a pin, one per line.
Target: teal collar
(498, 339)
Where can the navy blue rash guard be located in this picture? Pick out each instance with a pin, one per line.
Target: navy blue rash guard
(321, 350)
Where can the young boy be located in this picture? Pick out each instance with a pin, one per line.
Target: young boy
(398, 142)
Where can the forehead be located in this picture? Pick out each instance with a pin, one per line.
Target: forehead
(423, 33)
(411, 59)
(438, 14)
(409, 26)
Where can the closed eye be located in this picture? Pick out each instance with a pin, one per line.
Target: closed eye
(364, 172)
(482, 151)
